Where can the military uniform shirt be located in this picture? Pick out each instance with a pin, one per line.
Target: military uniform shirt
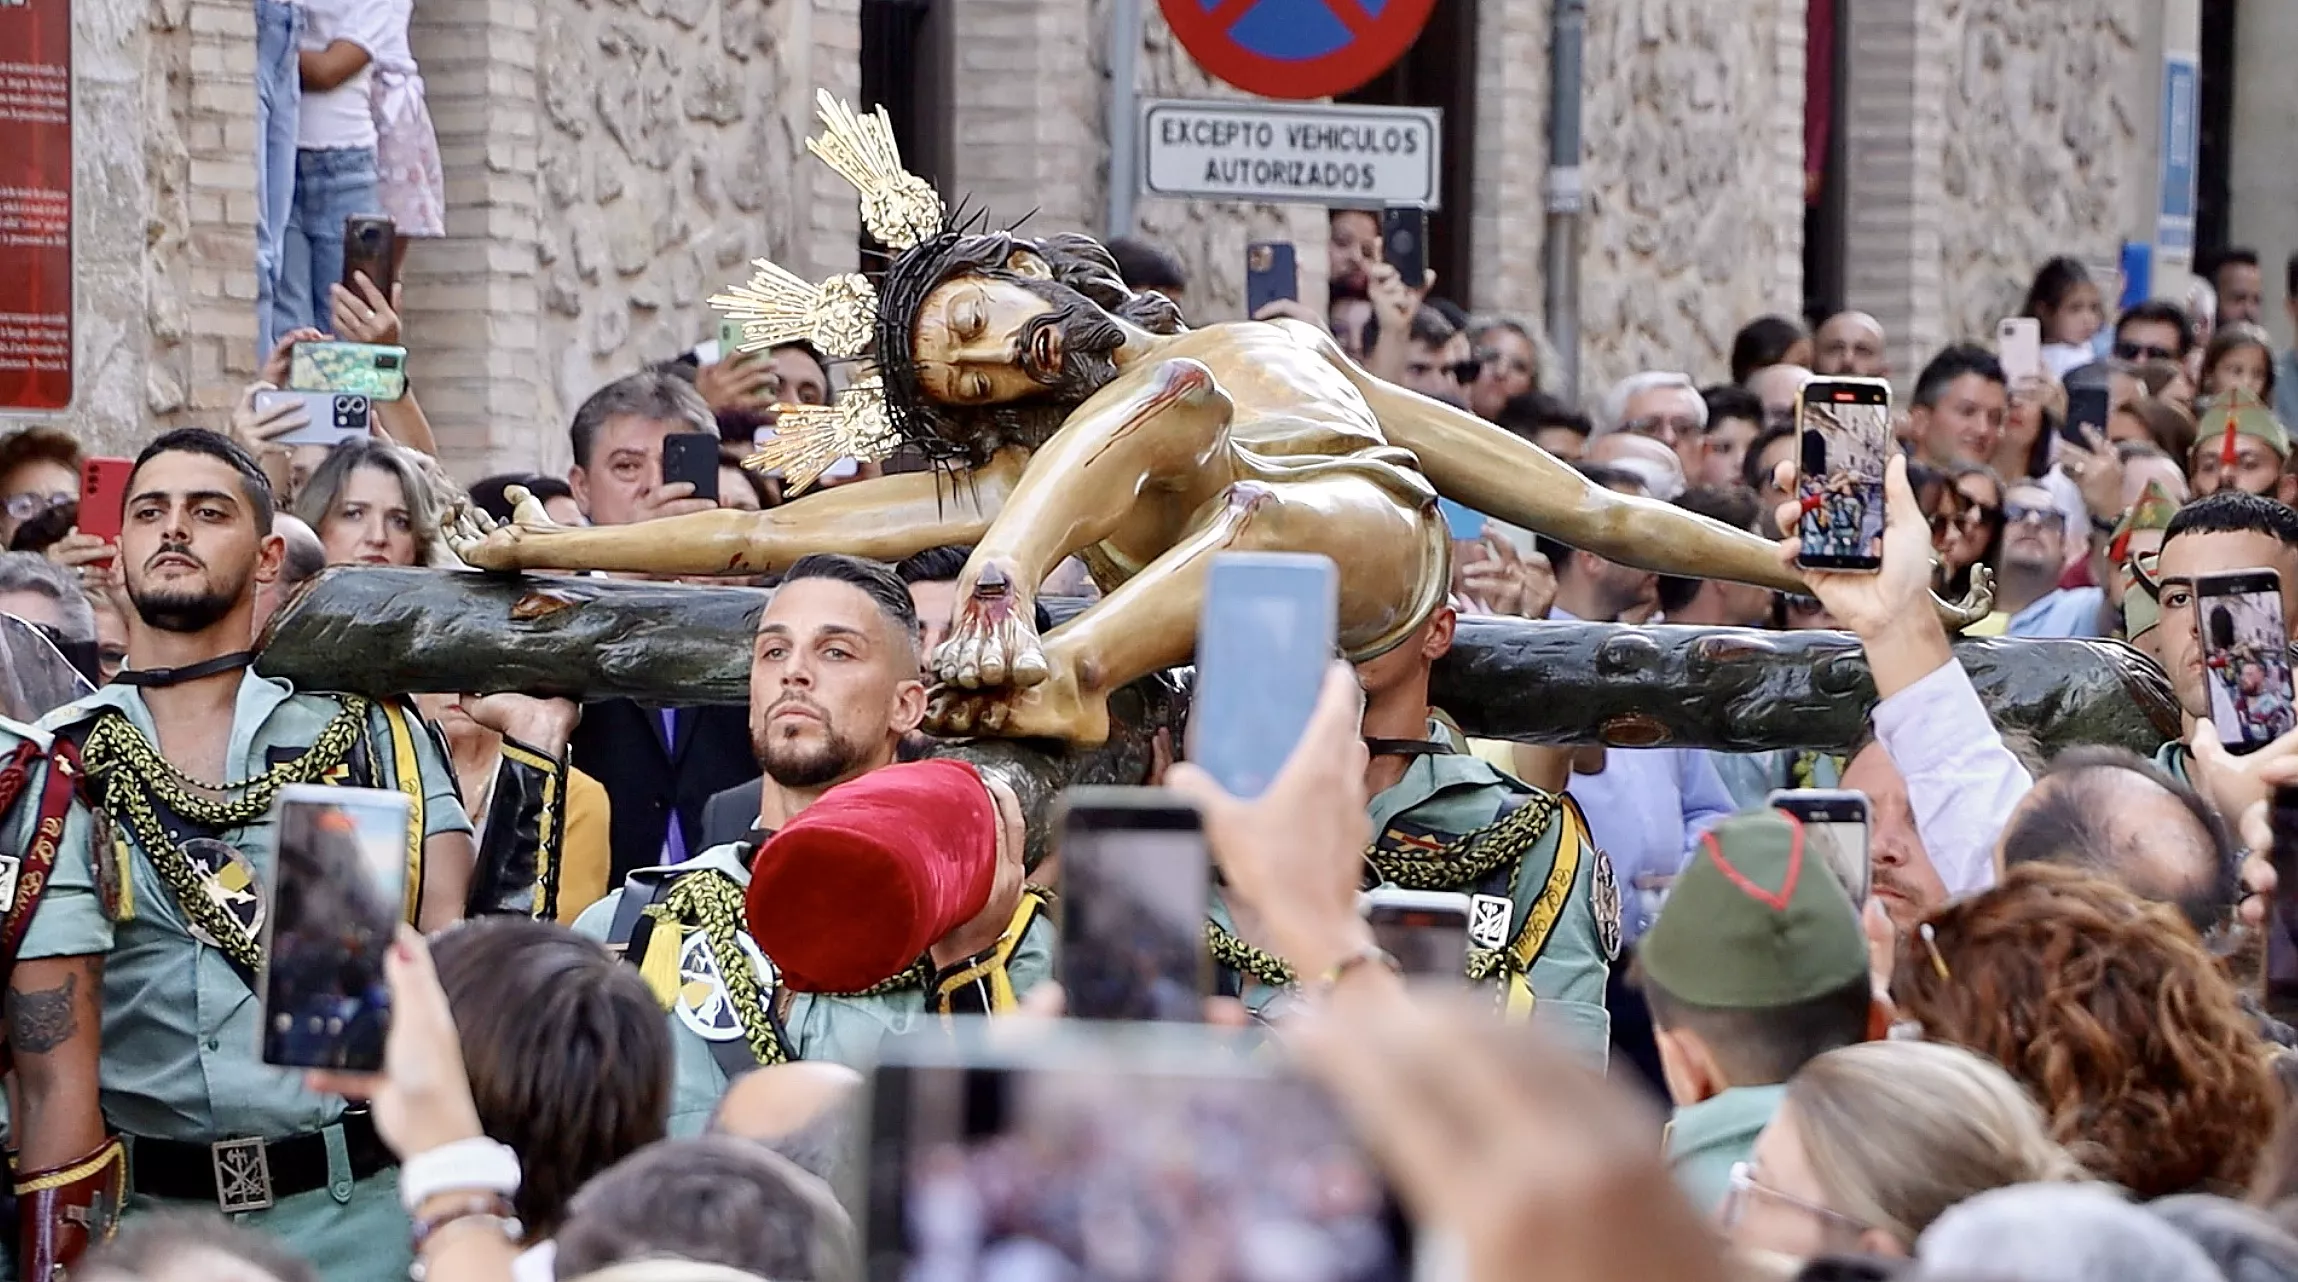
(180, 1021)
(1705, 1140)
(819, 1026)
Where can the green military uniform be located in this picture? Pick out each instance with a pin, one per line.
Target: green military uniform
(181, 1078)
(1753, 923)
(1544, 919)
(724, 1025)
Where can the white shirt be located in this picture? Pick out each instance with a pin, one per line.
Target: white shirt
(341, 117)
(1962, 783)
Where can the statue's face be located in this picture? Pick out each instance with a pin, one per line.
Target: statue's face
(974, 344)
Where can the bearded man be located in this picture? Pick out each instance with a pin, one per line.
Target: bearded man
(183, 755)
(1076, 417)
(834, 686)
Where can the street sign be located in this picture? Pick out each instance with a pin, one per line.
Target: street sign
(2181, 142)
(1296, 48)
(1361, 157)
(36, 205)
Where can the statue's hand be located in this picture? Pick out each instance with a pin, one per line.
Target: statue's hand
(993, 639)
(1975, 605)
(485, 545)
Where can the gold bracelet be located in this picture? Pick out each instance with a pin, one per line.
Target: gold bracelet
(1364, 955)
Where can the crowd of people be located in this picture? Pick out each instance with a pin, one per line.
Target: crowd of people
(2040, 1039)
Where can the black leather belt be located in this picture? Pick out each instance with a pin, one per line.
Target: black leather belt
(241, 1175)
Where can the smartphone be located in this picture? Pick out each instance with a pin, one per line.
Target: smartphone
(1404, 242)
(1835, 828)
(104, 497)
(2086, 408)
(2281, 942)
(373, 370)
(1427, 930)
(334, 417)
(2019, 346)
(1272, 274)
(370, 245)
(2245, 657)
(1135, 884)
(1466, 523)
(336, 893)
(1265, 637)
(692, 457)
(730, 339)
(1843, 429)
(1091, 1151)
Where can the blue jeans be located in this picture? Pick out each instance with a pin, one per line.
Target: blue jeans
(330, 186)
(278, 101)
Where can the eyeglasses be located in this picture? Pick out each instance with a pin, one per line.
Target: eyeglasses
(1467, 370)
(2143, 352)
(1743, 1186)
(1661, 427)
(1503, 364)
(2021, 514)
(25, 506)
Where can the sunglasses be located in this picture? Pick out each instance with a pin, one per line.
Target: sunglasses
(2143, 352)
(2021, 514)
(1466, 371)
(1503, 364)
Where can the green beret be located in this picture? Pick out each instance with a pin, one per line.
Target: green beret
(1755, 921)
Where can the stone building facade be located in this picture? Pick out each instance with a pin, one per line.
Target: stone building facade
(610, 163)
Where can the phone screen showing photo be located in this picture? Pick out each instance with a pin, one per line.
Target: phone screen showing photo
(1844, 439)
(2245, 658)
(1134, 890)
(336, 900)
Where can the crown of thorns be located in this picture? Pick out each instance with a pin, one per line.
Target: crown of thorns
(849, 314)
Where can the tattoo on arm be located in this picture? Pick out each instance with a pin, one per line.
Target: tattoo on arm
(39, 1022)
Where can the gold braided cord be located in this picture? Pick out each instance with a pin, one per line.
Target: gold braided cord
(1471, 857)
(900, 208)
(128, 772)
(1243, 958)
(712, 902)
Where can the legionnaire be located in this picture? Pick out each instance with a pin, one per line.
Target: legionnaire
(1544, 910)
(834, 685)
(182, 757)
(1756, 964)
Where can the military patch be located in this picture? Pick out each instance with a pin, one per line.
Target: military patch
(225, 876)
(703, 1004)
(1607, 906)
(1408, 838)
(1488, 920)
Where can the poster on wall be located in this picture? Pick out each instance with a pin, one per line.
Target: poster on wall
(35, 205)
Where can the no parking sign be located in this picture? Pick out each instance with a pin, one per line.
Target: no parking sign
(1296, 48)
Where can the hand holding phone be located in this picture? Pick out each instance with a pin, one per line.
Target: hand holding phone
(1136, 882)
(2019, 346)
(1835, 828)
(1404, 243)
(692, 457)
(330, 418)
(336, 896)
(1428, 931)
(1272, 274)
(370, 249)
(1843, 432)
(2245, 657)
(104, 497)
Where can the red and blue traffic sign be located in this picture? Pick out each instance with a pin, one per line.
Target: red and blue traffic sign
(1296, 48)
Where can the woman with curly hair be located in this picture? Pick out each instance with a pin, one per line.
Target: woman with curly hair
(2108, 1008)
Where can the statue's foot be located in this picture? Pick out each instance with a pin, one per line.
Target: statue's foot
(485, 545)
(1057, 707)
(993, 640)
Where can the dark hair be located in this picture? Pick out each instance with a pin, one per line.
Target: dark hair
(489, 497)
(198, 440)
(153, 1241)
(1605, 476)
(2171, 429)
(1766, 1047)
(662, 395)
(568, 1054)
(1733, 505)
(875, 579)
(1453, 313)
(1527, 413)
(45, 529)
(2235, 512)
(1430, 328)
(1730, 400)
(2053, 281)
(1142, 265)
(1763, 341)
(1953, 362)
(2158, 311)
(711, 1200)
(2290, 275)
(38, 443)
(2210, 262)
(1751, 467)
(934, 565)
(2074, 823)
(2231, 338)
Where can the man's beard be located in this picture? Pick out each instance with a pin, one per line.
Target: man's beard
(1090, 338)
(793, 765)
(185, 610)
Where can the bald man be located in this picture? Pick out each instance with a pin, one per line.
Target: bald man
(1850, 343)
(2112, 812)
(306, 556)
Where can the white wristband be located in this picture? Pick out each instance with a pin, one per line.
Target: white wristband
(478, 1165)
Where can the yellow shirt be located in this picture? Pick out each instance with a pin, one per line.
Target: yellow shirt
(1991, 626)
(583, 857)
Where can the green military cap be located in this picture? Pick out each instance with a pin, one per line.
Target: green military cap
(2239, 413)
(2141, 596)
(1755, 921)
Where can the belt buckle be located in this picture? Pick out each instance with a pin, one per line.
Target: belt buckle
(242, 1175)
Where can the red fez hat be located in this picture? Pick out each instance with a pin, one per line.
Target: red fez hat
(863, 881)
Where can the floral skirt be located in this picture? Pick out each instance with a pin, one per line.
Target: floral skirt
(409, 183)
